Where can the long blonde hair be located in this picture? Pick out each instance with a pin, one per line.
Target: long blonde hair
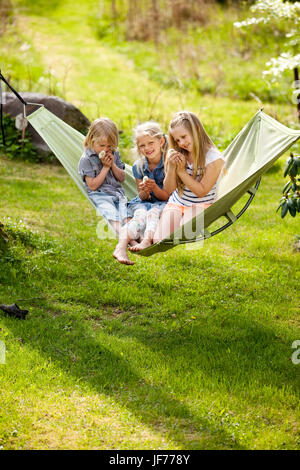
(102, 127)
(153, 129)
(201, 142)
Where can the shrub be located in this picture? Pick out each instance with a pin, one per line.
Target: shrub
(290, 201)
(18, 148)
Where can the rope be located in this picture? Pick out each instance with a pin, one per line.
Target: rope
(12, 89)
(1, 106)
(22, 101)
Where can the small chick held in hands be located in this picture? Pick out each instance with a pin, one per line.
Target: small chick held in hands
(170, 151)
(102, 154)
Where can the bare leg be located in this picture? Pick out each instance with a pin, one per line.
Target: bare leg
(194, 211)
(133, 243)
(127, 233)
(152, 222)
(120, 253)
(115, 225)
(168, 223)
(147, 241)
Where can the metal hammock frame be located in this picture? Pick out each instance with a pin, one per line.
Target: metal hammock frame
(263, 139)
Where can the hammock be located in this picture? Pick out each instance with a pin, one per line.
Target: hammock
(253, 151)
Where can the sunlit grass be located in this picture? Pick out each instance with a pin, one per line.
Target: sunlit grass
(189, 349)
(186, 349)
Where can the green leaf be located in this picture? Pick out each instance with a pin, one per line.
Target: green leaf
(286, 187)
(288, 166)
(293, 170)
(292, 207)
(284, 209)
(280, 205)
(298, 204)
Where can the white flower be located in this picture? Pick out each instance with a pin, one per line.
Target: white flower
(284, 62)
(25, 47)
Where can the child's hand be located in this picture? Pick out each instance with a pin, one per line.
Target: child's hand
(150, 184)
(144, 192)
(180, 162)
(172, 159)
(107, 160)
(175, 159)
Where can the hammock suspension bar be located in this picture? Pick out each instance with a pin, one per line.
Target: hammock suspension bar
(25, 103)
(229, 215)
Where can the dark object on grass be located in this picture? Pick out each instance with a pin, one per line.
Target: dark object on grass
(61, 108)
(14, 311)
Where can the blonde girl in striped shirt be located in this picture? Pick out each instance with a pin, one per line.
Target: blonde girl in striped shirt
(192, 169)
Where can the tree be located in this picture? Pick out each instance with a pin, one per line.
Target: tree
(3, 236)
(290, 201)
(275, 12)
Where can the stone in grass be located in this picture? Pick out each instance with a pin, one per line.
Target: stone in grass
(14, 311)
(61, 108)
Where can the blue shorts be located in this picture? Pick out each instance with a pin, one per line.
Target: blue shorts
(109, 206)
(136, 203)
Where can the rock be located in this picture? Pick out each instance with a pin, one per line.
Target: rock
(62, 109)
(14, 311)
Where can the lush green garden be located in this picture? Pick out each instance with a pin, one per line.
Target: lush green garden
(189, 349)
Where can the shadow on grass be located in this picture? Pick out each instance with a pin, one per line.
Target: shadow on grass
(78, 353)
(229, 351)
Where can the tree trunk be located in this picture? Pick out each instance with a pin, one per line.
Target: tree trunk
(114, 11)
(3, 236)
(131, 16)
(155, 21)
(176, 13)
(297, 86)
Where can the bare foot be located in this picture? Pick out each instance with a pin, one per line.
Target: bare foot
(120, 254)
(140, 246)
(133, 243)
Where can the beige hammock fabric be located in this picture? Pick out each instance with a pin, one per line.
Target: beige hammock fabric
(253, 151)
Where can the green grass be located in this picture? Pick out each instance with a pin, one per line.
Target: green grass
(203, 60)
(189, 349)
(129, 81)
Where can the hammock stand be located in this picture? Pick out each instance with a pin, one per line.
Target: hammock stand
(229, 216)
(253, 151)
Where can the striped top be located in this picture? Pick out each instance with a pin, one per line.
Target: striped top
(188, 198)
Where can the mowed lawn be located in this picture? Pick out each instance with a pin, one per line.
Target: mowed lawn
(189, 349)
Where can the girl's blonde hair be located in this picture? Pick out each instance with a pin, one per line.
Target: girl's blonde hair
(102, 127)
(153, 129)
(201, 141)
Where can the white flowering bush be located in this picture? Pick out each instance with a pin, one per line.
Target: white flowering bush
(274, 12)
(284, 15)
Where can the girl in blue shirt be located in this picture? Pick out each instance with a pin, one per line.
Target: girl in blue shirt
(145, 208)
